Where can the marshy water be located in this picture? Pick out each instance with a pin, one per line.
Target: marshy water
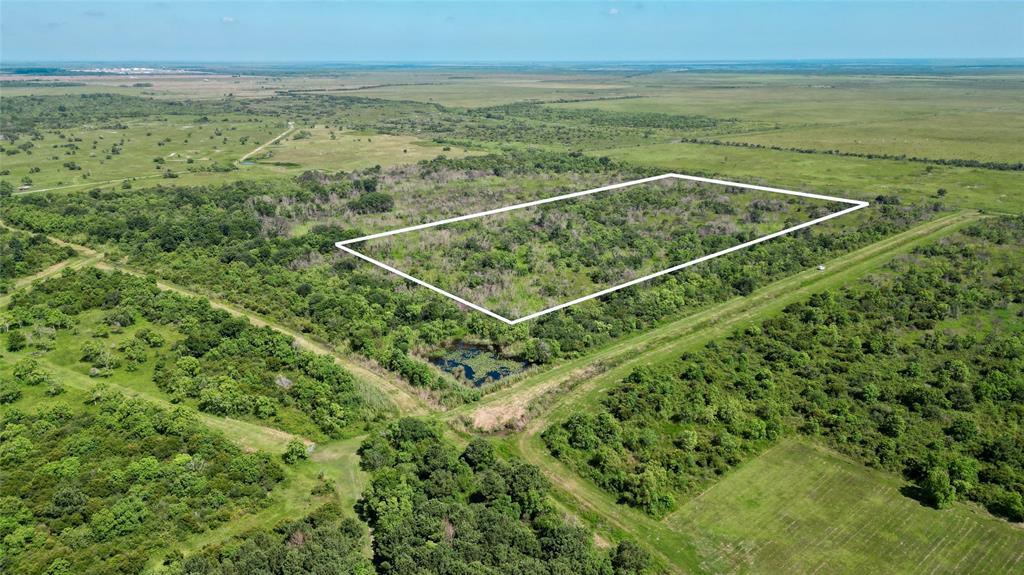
(478, 365)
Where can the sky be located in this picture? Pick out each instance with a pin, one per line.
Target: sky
(506, 31)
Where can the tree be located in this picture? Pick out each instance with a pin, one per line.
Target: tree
(479, 454)
(372, 203)
(938, 490)
(630, 559)
(294, 452)
(16, 341)
(9, 392)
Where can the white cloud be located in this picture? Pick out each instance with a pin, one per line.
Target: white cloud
(228, 19)
(613, 11)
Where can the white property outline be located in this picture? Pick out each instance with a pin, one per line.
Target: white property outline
(343, 245)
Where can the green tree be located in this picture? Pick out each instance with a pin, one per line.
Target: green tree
(630, 558)
(294, 452)
(938, 489)
(16, 341)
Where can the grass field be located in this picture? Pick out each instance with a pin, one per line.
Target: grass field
(928, 115)
(801, 508)
(987, 136)
(86, 155)
(346, 151)
(972, 188)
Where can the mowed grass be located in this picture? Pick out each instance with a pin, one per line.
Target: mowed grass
(972, 188)
(293, 498)
(802, 508)
(347, 151)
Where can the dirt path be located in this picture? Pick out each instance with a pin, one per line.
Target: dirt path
(292, 498)
(291, 126)
(73, 263)
(85, 184)
(589, 501)
(84, 258)
(599, 371)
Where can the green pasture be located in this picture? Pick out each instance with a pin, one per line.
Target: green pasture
(183, 144)
(331, 150)
(580, 496)
(940, 116)
(802, 508)
(858, 178)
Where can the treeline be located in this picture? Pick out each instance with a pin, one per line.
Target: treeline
(343, 112)
(902, 371)
(100, 488)
(956, 162)
(432, 507)
(543, 124)
(221, 364)
(215, 238)
(23, 254)
(523, 162)
(599, 117)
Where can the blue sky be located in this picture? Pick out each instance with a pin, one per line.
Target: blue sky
(426, 31)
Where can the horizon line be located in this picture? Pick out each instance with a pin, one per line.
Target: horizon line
(852, 59)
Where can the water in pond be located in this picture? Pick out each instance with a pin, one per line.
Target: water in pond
(246, 163)
(478, 365)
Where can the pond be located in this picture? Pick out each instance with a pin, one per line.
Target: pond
(478, 365)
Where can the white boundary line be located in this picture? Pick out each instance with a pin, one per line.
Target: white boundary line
(343, 245)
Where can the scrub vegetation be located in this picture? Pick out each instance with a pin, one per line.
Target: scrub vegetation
(232, 241)
(530, 259)
(843, 399)
(885, 370)
(96, 486)
(117, 326)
